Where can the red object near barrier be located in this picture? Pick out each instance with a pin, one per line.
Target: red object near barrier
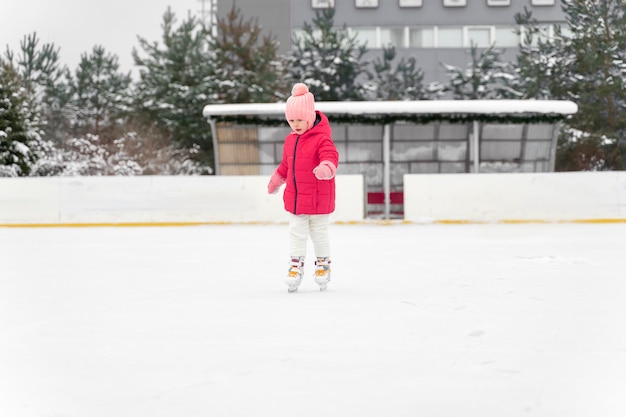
(396, 197)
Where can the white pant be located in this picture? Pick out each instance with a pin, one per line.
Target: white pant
(301, 227)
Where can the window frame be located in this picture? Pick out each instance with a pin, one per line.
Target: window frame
(409, 3)
(361, 4)
(467, 29)
(454, 3)
(498, 3)
(322, 4)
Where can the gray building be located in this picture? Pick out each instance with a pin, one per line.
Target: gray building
(435, 32)
(432, 31)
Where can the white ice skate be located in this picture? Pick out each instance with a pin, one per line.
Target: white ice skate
(295, 273)
(322, 272)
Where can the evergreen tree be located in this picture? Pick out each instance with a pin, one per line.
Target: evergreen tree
(540, 61)
(100, 95)
(586, 64)
(486, 77)
(328, 60)
(47, 82)
(402, 82)
(177, 79)
(247, 67)
(20, 137)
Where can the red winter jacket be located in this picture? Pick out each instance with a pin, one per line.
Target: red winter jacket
(304, 193)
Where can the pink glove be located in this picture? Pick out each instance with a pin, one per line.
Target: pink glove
(275, 182)
(325, 170)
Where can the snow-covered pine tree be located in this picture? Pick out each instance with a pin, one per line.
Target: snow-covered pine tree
(100, 95)
(586, 63)
(248, 68)
(485, 77)
(402, 81)
(20, 136)
(47, 82)
(176, 79)
(328, 59)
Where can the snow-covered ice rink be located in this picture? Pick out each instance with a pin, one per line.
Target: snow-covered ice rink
(430, 320)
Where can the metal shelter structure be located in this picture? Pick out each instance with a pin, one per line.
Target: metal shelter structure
(455, 136)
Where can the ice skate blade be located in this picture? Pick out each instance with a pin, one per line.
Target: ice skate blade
(293, 284)
(322, 282)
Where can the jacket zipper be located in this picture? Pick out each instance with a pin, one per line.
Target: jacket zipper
(293, 172)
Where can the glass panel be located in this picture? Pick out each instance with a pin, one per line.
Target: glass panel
(450, 37)
(272, 134)
(421, 38)
(452, 151)
(412, 151)
(454, 131)
(299, 34)
(393, 37)
(502, 131)
(451, 168)
(413, 132)
(500, 151)
(268, 154)
(540, 131)
(358, 133)
(366, 35)
(537, 150)
(425, 168)
(506, 37)
(480, 37)
(364, 152)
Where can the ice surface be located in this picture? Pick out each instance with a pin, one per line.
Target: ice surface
(418, 320)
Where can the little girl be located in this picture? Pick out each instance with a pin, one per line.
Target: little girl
(308, 168)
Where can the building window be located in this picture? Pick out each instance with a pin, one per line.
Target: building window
(478, 36)
(392, 37)
(454, 3)
(545, 33)
(322, 4)
(366, 35)
(410, 3)
(542, 2)
(449, 37)
(498, 2)
(366, 3)
(507, 36)
(421, 37)
(376, 37)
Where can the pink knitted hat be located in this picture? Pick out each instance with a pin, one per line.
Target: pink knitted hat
(301, 105)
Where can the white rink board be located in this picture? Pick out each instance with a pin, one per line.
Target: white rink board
(571, 196)
(549, 197)
(158, 199)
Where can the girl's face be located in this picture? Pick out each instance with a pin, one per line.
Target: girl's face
(299, 126)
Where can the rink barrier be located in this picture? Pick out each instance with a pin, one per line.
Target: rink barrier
(157, 201)
(150, 201)
(573, 197)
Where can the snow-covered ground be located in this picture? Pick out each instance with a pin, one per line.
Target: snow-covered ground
(419, 320)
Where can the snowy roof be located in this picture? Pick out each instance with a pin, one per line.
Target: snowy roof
(403, 107)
